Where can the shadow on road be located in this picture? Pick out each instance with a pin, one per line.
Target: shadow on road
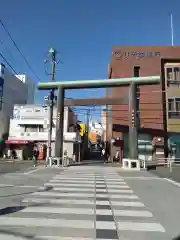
(8, 210)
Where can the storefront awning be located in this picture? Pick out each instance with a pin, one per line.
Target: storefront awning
(17, 142)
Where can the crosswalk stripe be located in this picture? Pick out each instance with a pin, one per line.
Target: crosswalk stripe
(57, 194)
(127, 204)
(75, 181)
(59, 201)
(140, 226)
(58, 183)
(111, 191)
(84, 211)
(117, 196)
(73, 189)
(105, 225)
(7, 237)
(132, 213)
(46, 222)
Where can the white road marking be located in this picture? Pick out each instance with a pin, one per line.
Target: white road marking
(46, 222)
(29, 172)
(173, 182)
(58, 210)
(140, 226)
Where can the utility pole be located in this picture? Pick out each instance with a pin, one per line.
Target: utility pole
(52, 53)
(133, 122)
(87, 130)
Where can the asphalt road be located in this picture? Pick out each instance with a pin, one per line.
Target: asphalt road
(92, 202)
(164, 172)
(10, 167)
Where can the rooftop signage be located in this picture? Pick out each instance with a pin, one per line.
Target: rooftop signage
(119, 54)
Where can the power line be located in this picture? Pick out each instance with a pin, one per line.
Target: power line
(32, 70)
(8, 63)
(7, 50)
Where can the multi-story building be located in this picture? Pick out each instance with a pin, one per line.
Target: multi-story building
(29, 125)
(13, 91)
(31, 87)
(159, 105)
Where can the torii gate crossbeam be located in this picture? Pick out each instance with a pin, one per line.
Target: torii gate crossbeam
(81, 84)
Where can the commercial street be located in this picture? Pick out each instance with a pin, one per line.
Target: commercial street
(89, 202)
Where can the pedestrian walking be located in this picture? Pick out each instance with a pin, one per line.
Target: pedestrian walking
(103, 153)
(35, 156)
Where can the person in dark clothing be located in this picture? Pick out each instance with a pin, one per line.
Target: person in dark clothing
(35, 156)
(103, 153)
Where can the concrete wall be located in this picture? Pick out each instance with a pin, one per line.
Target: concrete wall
(14, 92)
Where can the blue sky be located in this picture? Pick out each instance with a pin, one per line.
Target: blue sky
(83, 32)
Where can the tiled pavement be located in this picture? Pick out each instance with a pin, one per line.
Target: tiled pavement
(84, 203)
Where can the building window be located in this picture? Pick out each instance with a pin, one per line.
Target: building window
(136, 71)
(173, 76)
(31, 128)
(174, 108)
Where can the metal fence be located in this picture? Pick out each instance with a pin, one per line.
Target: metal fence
(166, 162)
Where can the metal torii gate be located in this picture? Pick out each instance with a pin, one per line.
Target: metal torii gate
(81, 84)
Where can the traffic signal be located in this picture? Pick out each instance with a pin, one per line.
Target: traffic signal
(51, 95)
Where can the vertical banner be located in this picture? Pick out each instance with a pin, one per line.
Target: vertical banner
(2, 68)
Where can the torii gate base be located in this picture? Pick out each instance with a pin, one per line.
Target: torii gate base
(130, 164)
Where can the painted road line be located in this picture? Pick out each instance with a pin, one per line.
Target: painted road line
(118, 187)
(139, 226)
(105, 225)
(132, 213)
(124, 213)
(117, 196)
(103, 203)
(6, 185)
(115, 184)
(59, 201)
(81, 211)
(143, 178)
(173, 182)
(63, 238)
(21, 186)
(52, 183)
(32, 171)
(65, 181)
(46, 222)
(127, 204)
(111, 191)
(73, 189)
(61, 176)
(54, 194)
